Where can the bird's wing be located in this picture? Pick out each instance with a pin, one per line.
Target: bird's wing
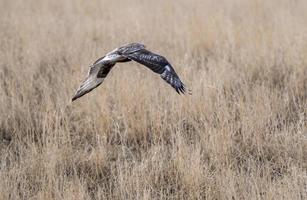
(98, 60)
(95, 77)
(159, 65)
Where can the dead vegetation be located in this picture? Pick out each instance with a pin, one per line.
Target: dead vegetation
(241, 135)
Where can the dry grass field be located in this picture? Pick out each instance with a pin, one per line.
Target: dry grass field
(241, 134)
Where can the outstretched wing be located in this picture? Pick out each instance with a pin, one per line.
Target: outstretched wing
(159, 65)
(95, 77)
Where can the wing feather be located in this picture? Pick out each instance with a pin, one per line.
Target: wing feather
(160, 65)
(96, 75)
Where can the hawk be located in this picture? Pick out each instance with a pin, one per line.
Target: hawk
(99, 70)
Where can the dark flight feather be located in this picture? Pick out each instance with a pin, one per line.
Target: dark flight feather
(160, 65)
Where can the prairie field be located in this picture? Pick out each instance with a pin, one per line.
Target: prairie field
(242, 134)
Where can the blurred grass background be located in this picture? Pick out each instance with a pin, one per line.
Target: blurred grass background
(240, 135)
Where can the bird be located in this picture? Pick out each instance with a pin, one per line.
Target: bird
(137, 52)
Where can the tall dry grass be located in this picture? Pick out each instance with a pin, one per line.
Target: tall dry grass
(241, 135)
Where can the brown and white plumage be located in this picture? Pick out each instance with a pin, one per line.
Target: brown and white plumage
(130, 52)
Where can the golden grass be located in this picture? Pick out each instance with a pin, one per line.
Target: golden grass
(241, 135)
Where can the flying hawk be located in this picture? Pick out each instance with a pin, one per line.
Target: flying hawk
(136, 52)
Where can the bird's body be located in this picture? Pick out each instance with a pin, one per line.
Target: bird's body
(136, 52)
